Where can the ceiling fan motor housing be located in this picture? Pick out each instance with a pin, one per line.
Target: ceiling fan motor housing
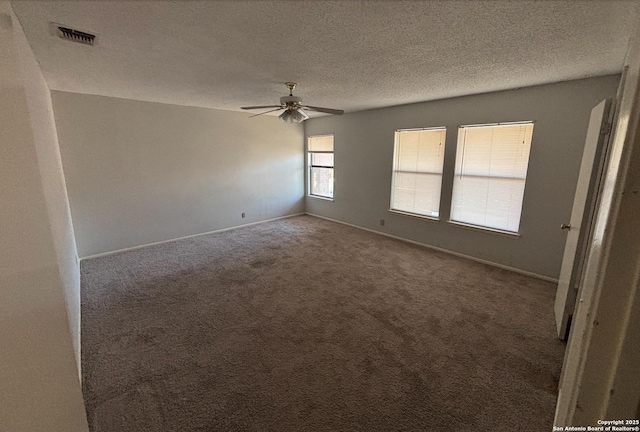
(291, 100)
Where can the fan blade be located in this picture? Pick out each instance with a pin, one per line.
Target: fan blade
(324, 110)
(261, 107)
(266, 112)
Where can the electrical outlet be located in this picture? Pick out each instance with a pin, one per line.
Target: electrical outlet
(382, 222)
(243, 215)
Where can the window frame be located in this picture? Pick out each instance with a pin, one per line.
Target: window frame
(394, 170)
(310, 166)
(482, 228)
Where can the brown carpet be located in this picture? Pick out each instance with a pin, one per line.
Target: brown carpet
(308, 325)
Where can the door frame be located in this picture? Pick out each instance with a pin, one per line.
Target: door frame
(601, 373)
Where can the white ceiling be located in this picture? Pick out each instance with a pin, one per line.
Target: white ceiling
(352, 55)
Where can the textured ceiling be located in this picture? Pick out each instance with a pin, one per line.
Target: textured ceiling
(352, 55)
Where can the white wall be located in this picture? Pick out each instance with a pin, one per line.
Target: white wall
(142, 172)
(364, 155)
(45, 139)
(40, 388)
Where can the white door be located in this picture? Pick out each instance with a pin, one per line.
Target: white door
(577, 228)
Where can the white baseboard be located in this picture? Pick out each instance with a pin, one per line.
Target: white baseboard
(447, 251)
(186, 237)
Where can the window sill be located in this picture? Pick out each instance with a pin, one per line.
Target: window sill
(415, 215)
(320, 197)
(485, 229)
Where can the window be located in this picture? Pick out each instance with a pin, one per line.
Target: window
(490, 174)
(320, 150)
(417, 171)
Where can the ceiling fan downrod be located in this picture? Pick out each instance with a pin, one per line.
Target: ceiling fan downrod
(291, 86)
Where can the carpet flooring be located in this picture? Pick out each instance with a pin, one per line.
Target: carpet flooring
(302, 324)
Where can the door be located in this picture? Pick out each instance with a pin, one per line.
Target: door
(578, 227)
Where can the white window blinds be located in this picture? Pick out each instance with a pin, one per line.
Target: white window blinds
(417, 171)
(490, 174)
(320, 149)
(322, 143)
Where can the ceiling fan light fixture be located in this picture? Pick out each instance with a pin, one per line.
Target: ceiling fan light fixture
(298, 116)
(286, 116)
(291, 115)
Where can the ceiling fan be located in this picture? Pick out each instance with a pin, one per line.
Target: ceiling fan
(293, 108)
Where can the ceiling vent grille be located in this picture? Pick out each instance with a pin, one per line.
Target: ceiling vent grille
(75, 35)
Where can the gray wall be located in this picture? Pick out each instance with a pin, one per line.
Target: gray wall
(141, 172)
(39, 275)
(364, 155)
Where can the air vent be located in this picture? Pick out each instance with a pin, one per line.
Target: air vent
(75, 35)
